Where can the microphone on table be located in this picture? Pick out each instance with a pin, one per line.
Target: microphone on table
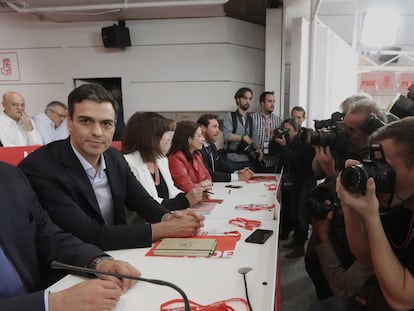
(62, 266)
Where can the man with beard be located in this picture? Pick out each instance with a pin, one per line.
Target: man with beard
(265, 122)
(238, 132)
(218, 170)
(410, 93)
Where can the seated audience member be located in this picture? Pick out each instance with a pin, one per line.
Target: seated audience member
(186, 162)
(218, 170)
(85, 184)
(30, 241)
(146, 139)
(16, 127)
(383, 238)
(51, 124)
(297, 156)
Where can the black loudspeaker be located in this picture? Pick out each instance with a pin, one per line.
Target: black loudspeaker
(116, 36)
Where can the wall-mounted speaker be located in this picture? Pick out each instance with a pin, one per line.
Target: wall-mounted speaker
(116, 36)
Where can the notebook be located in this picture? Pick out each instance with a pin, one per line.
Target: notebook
(186, 247)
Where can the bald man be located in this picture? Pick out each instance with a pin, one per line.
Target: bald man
(16, 127)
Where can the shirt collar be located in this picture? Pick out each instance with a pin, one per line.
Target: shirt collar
(89, 169)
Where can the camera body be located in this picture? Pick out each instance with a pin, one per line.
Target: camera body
(335, 136)
(247, 149)
(335, 118)
(321, 202)
(354, 178)
(282, 133)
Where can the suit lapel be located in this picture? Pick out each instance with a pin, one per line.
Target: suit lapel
(75, 171)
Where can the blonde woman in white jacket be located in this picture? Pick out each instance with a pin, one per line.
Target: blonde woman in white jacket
(147, 138)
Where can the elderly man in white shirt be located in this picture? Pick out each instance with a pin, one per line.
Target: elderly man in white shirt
(51, 124)
(16, 127)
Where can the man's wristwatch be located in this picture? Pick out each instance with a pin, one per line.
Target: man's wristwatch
(95, 262)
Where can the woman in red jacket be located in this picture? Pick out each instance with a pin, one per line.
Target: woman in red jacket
(185, 160)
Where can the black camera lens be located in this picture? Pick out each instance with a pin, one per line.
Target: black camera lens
(354, 179)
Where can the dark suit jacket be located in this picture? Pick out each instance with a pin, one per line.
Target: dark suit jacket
(31, 241)
(221, 171)
(64, 190)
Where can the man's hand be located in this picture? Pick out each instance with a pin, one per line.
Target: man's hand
(247, 140)
(92, 295)
(325, 159)
(27, 122)
(260, 152)
(183, 223)
(245, 174)
(321, 227)
(365, 205)
(195, 195)
(121, 267)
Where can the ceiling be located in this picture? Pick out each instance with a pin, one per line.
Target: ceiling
(93, 10)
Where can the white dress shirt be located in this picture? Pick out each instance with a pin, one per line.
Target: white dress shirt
(13, 133)
(46, 128)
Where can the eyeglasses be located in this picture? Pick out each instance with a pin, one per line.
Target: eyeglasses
(62, 116)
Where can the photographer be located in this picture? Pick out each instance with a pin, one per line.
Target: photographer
(328, 228)
(238, 131)
(392, 260)
(382, 237)
(362, 119)
(296, 157)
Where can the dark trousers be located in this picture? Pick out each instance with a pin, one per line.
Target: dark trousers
(301, 188)
(336, 304)
(286, 215)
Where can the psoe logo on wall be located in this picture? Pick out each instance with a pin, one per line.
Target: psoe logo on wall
(9, 67)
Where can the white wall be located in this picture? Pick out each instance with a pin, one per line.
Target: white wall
(173, 65)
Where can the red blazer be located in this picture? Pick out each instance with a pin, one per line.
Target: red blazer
(186, 174)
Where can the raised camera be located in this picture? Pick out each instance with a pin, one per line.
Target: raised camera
(354, 178)
(321, 201)
(336, 137)
(335, 117)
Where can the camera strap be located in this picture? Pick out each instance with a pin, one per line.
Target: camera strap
(231, 304)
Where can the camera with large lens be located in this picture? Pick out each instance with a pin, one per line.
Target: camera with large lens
(322, 201)
(282, 133)
(354, 178)
(336, 137)
(247, 149)
(335, 118)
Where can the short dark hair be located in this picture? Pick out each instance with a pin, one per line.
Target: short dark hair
(263, 95)
(298, 108)
(205, 119)
(401, 132)
(241, 91)
(183, 131)
(143, 133)
(93, 92)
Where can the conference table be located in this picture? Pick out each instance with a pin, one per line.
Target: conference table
(216, 278)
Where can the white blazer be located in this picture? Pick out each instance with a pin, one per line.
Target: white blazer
(142, 173)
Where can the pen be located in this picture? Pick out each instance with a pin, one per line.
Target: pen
(209, 192)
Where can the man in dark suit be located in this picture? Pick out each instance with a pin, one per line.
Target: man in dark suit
(218, 170)
(30, 241)
(85, 184)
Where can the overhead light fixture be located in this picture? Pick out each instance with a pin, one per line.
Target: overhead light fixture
(380, 27)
